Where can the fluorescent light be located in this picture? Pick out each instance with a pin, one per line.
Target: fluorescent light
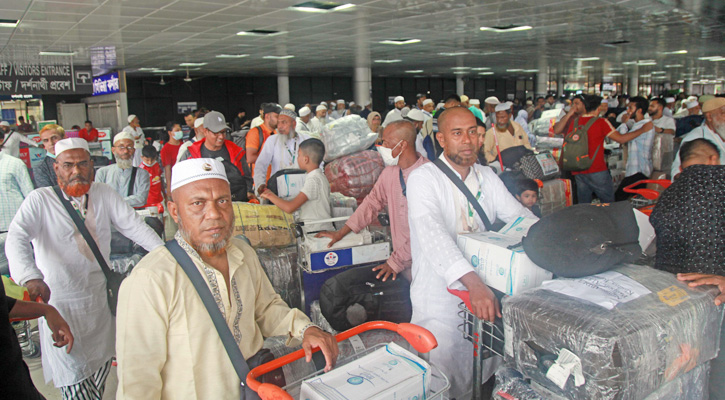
(675, 52)
(320, 7)
(514, 70)
(531, 70)
(629, 63)
(57, 53)
(717, 59)
(8, 23)
(231, 55)
(616, 74)
(147, 69)
(587, 67)
(480, 69)
(192, 64)
(708, 57)
(587, 59)
(400, 41)
(681, 81)
(647, 62)
(309, 9)
(486, 73)
(510, 28)
(343, 7)
(414, 71)
(164, 71)
(457, 53)
(658, 72)
(260, 32)
(387, 61)
(279, 57)
(645, 76)
(673, 66)
(460, 68)
(460, 72)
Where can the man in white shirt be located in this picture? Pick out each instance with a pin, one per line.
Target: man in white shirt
(279, 151)
(669, 106)
(119, 175)
(320, 119)
(713, 130)
(304, 124)
(437, 212)
(663, 123)
(395, 114)
(134, 128)
(340, 112)
(61, 269)
(258, 120)
(692, 107)
(11, 141)
(428, 106)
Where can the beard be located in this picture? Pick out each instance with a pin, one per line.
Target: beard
(76, 186)
(461, 160)
(207, 249)
(503, 127)
(124, 164)
(720, 129)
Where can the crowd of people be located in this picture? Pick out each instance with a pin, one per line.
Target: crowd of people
(162, 333)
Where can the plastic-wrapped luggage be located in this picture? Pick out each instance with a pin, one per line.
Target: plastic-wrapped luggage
(656, 330)
(124, 263)
(283, 272)
(263, 225)
(663, 154)
(319, 319)
(356, 174)
(345, 136)
(555, 195)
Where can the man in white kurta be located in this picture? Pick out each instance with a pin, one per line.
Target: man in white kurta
(167, 345)
(713, 129)
(319, 121)
(12, 139)
(134, 128)
(437, 212)
(280, 150)
(61, 268)
(118, 175)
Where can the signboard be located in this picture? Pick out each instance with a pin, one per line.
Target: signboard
(106, 84)
(103, 59)
(42, 124)
(104, 134)
(185, 107)
(37, 78)
(9, 115)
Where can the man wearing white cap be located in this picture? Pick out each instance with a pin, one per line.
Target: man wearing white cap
(670, 102)
(289, 106)
(475, 107)
(131, 183)
(692, 107)
(489, 108)
(713, 130)
(139, 139)
(280, 150)
(304, 125)
(428, 106)
(340, 112)
(320, 119)
(168, 346)
(417, 118)
(395, 113)
(506, 133)
(10, 141)
(61, 268)
(198, 135)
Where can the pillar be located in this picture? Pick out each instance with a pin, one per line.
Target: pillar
(460, 86)
(362, 85)
(282, 89)
(362, 76)
(688, 86)
(633, 87)
(559, 83)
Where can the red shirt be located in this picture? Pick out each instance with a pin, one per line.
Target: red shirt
(169, 153)
(91, 136)
(596, 135)
(155, 196)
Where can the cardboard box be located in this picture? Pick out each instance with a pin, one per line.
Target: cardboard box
(390, 372)
(508, 270)
(289, 186)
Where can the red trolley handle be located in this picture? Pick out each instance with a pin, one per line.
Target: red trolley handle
(420, 338)
(464, 295)
(27, 298)
(648, 194)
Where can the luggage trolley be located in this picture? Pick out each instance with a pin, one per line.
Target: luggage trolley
(644, 199)
(420, 338)
(487, 338)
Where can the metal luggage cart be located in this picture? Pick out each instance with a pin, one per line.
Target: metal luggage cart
(487, 338)
(420, 338)
(644, 199)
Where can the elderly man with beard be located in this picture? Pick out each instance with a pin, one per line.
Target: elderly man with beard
(504, 134)
(713, 130)
(132, 183)
(168, 347)
(437, 212)
(61, 269)
(280, 150)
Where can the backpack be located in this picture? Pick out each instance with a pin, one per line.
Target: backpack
(240, 139)
(292, 183)
(386, 301)
(575, 150)
(540, 166)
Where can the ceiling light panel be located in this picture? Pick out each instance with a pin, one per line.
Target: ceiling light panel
(400, 41)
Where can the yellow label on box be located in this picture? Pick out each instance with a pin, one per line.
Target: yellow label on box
(673, 295)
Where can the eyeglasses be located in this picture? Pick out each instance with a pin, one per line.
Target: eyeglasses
(127, 148)
(67, 166)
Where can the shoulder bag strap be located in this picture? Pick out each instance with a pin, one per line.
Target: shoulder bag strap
(586, 132)
(84, 231)
(132, 181)
(462, 187)
(230, 345)
(402, 183)
(261, 139)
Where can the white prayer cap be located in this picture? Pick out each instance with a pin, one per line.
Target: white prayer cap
(503, 107)
(692, 98)
(304, 111)
(404, 111)
(320, 108)
(124, 134)
(464, 98)
(529, 103)
(398, 98)
(70, 144)
(4, 123)
(341, 101)
(669, 99)
(492, 100)
(199, 122)
(427, 101)
(352, 103)
(131, 118)
(196, 169)
(692, 104)
(415, 115)
(475, 102)
(289, 106)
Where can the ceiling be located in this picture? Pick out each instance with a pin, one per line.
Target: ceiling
(162, 34)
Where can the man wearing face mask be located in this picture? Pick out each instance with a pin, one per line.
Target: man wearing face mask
(280, 150)
(170, 151)
(60, 267)
(132, 183)
(400, 157)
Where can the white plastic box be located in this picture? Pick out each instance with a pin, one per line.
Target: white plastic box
(390, 372)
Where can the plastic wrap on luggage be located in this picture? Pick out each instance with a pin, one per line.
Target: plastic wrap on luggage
(4, 266)
(283, 272)
(263, 225)
(626, 352)
(356, 344)
(319, 319)
(663, 149)
(342, 201)
(542, 127)
(345, 136)
(356, 174)
(555, 195)
(512, 384)
(124, 263)
(548, 143)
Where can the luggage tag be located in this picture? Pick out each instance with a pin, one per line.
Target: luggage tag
(566, 364)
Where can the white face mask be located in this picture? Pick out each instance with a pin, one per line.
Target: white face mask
(178, 135)
(149, 165)
(387, 155)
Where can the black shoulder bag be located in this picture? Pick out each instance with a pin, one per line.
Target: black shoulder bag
(113, 279)
(131, 181)
(462, 187)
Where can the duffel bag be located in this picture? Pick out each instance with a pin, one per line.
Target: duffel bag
(540, 166)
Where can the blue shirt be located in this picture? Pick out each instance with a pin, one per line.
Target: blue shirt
(639, 151)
